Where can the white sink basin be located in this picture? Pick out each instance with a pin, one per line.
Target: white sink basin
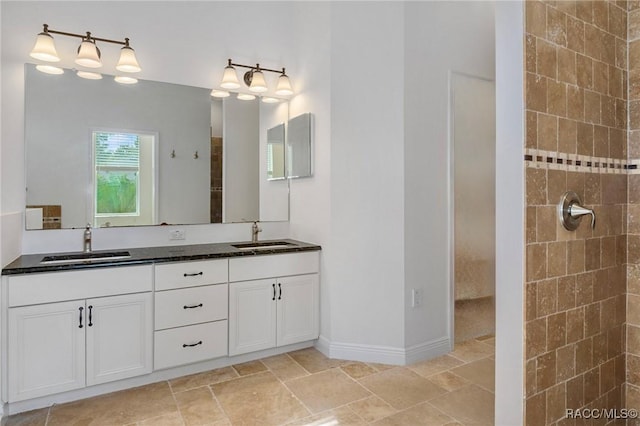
(85, 257)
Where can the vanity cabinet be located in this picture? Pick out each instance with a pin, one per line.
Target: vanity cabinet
(191, 305)
(70, 340)
(273, 301)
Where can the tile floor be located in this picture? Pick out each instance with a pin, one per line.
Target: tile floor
(301, 388)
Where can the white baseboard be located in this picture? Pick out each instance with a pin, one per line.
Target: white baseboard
(383, 354)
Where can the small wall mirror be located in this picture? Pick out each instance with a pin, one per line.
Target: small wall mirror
(275, 153)
(299, 146)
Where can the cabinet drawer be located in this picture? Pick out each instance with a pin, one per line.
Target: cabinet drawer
(172, 348)
(32, 289)
(176, 308)
(279, 265)
(191, 274)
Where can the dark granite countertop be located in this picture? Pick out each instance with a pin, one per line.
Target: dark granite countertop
(31, 263)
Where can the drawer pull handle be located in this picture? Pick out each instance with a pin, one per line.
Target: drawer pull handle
(274, 291)
(80, 309)
(193, 275)
(90, 316)
(280, 291)
(185, 345)
(192, 306)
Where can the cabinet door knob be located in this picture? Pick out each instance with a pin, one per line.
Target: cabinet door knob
(274, 291)
(280, 291)
(192, 306)
(90, 315)
(193, 275)
(80, 309)
(190, 345)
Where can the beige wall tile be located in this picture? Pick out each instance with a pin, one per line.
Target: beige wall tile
(575, 102)
(557, 98)
(556, 26)
(546, 370)
(547, 132)
(536, 409)
(556, 331)
(536, 18)
(575, 325)
(536, 262)
(536, 337)
(536, 92)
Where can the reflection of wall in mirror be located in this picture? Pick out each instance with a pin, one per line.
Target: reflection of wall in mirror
(240, 165)
(60, 110)
(274, 194)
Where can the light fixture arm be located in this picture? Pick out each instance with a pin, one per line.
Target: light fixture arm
(257, 67)
(86, 36)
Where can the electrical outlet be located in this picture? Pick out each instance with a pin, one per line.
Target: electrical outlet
(416, 297)
(177, 234)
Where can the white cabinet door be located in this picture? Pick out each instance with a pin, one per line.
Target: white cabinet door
(252, 316)
(119, 337)
(298, 309)
(46, 349)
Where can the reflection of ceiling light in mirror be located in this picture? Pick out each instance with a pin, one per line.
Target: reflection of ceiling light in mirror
(220, 93)
(246, 97)
(123, 79)
(89, 75)
(45, 48)
(268, 100)
(49, 69)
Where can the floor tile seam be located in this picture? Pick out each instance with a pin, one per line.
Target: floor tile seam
(46, 419)
(297, 399)
(356, 381)
(206, 384)
(217, 401)
(413, 406)
(175, 401)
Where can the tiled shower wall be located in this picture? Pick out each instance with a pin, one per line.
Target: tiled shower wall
(576, 139)
(633, 269)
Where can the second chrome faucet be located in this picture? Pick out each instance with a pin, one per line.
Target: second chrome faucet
(254, 232)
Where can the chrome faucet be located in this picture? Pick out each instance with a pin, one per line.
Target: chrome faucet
(87, 238)
(254, 232)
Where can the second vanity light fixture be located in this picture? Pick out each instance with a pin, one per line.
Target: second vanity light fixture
(88, 55)
(254, 79)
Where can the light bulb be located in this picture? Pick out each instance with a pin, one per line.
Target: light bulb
(258, 83)
(89, 55)
(45, 49)
(230, 78)
(128, 61)
(284, 86)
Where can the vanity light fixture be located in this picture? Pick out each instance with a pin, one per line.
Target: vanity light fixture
(88, 53)
(269, 100)
(246, 96)
(254, 79)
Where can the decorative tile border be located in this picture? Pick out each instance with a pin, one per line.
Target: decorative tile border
(552, 160)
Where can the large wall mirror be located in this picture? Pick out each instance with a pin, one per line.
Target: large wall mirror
(150, 153)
